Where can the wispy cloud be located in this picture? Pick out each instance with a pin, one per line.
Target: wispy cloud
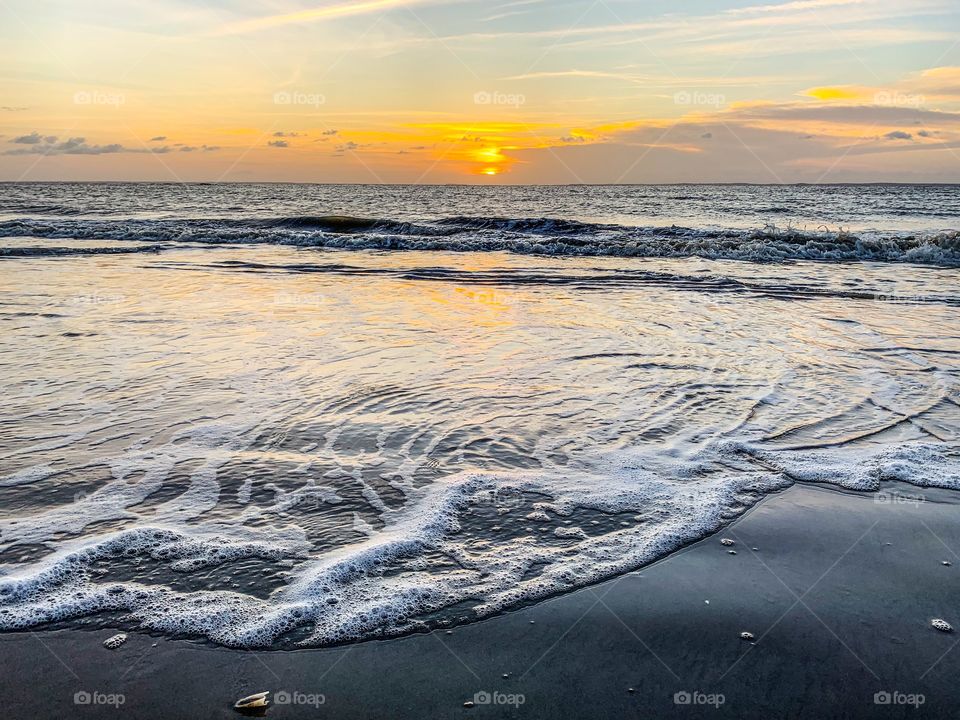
(322, 13)
(792, 6)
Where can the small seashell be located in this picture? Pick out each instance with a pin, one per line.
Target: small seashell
(112, 643)
(468, 704)
(629, 690)
(731, 552)
(746, 635)
(250, 702)
(505, 676)
(727, 542)
(946, 562)
(941, 625)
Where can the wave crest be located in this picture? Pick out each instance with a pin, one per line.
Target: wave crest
(530, 236)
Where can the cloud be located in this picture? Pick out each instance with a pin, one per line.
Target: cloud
(158, 138)
(37, 144)
(70, 146)
(281, 133)
(594, 74)
(11, 108)
(898, 135)
(318, 14)
(278, 143)
(330, 132)
(34, 138)
(844, 92)
(792, 6)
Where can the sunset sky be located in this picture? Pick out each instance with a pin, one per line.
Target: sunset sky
(463, 91)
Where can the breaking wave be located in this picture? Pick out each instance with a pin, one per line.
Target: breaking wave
(573, 529)
(530, 236)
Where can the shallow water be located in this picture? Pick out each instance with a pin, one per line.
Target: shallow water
(266, 445)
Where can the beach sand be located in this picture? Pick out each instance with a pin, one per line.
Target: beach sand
(839, 595)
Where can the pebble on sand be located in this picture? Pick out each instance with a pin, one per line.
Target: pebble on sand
(941, 625)
(727, 542)
(112, 643)
(746, 635)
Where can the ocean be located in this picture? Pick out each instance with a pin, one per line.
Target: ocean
(300, 415)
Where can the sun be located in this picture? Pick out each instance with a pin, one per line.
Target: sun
(490, 171)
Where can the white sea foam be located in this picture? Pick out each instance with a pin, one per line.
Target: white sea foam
(423, 561)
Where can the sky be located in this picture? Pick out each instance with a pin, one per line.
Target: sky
(471, 91)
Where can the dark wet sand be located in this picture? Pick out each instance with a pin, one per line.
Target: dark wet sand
(839, 595)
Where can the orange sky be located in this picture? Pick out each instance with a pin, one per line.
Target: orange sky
(439, 91)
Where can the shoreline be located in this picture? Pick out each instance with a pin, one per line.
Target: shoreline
(839, 597)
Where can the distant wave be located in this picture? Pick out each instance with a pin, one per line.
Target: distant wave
(532, 236)
(57, 251)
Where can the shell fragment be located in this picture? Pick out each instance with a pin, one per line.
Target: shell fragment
(251, 702)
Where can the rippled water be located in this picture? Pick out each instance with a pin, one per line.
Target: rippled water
(267, 445)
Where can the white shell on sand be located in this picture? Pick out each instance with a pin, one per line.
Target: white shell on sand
(746, 635)
(112, 643)
(727, 541)
(468, 704)
(256, 700)
(941, 625)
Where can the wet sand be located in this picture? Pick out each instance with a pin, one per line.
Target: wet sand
(839, 596)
